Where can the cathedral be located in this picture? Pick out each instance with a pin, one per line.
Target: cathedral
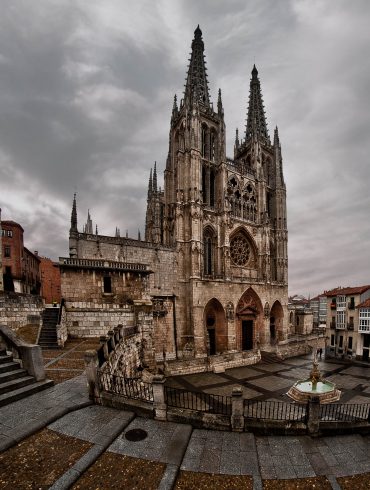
(210, 277)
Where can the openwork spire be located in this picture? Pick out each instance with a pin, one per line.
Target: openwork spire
(196, 88)
(256, 120)
(150, 185)
(155, 178)
(74, 215)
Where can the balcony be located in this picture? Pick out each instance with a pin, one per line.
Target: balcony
(332, 325)
(333, 306)
(340, 326)
(350, 326)
(351, 306)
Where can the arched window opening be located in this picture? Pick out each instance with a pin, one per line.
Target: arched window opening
(212, 188)
(204, 141)
(213, 146)
(204, 184)
(209, 241)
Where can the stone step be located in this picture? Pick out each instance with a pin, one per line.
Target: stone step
(14, 384)
(7, 376)
(9, 366)
(5, 358)
(20, 393)
(49, 345)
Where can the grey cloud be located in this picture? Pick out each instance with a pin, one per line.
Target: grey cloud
(86, 96)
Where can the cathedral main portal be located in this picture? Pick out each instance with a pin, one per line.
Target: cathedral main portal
(249, 318)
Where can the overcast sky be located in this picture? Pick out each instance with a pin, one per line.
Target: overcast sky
(86, 91)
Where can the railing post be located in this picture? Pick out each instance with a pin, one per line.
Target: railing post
(104, 342)
(237, 410)
(91, 366)
(313, 420)
(159, 401)
(113, 339)
(32, 361)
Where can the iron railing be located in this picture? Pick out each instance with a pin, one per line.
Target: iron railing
(350, 412)
(191, 400)
(129, 387)
(274, 410)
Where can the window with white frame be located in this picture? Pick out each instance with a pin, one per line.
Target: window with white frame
(364, 320)
(341, 302)
(341, 319)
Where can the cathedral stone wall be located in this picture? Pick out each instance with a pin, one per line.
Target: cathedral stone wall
(215, 255)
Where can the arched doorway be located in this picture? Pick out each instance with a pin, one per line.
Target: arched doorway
(249, 314)
(216, 327)
(276, 322)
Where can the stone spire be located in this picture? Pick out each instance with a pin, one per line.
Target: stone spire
(278, 160)
(220, 109)
(196, 88)
(89, 226)
(150, 185)
(155, 178)
(74, 215)
(237, 138)
(118, 232)
(175, 109)
(256, 120)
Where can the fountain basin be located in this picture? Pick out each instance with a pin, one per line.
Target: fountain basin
(305, 390)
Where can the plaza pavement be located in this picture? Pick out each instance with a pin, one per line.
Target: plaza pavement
(66, 409)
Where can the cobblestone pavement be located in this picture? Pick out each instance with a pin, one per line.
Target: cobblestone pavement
(66, 409)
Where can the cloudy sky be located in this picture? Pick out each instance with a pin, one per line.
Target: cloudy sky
(86, 90)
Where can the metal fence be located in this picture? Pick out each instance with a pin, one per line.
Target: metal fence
(351, 412)
(274, 410)
(191, 400)
(128, 387)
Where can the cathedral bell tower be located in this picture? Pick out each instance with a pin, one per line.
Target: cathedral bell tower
(193, 176)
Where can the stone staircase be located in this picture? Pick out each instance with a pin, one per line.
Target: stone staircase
(48, 334)
(15, 382)
(270, 357)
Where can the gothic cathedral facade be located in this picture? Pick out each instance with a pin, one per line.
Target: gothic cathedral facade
(215, 247)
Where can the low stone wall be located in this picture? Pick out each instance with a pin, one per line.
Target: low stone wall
(216, 363)
(17, 310)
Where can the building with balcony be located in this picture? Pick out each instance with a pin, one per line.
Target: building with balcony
(346, 337)
(363, 339)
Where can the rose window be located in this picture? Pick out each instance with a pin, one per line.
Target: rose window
(240, 250)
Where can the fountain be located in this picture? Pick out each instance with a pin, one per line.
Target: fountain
(315, 387)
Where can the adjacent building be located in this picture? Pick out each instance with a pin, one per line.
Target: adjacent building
(20, 266)
(347, 322)
(50, 280)
(318, 305)
(214, 262)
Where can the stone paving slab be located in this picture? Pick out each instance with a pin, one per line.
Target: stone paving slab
(243, 373)
(344, 382)
(93, 424)
(271, 383)
(166, 441)
(357, 371)
(24, 417)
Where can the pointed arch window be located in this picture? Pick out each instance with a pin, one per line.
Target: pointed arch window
(209, 252)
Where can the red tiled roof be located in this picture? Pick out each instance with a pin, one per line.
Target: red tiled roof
(347, 291)
(364, 304)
